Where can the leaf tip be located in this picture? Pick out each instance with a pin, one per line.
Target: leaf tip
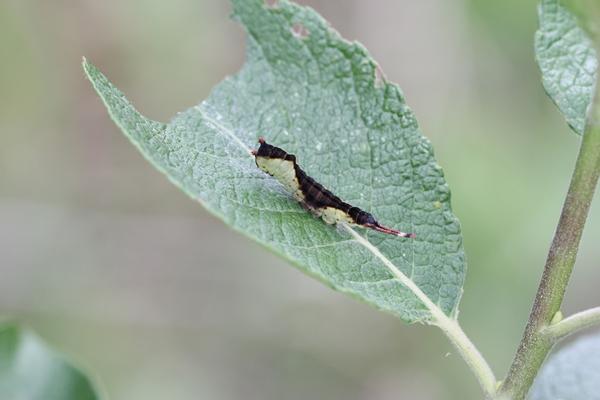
(84, 63)
(88, 67)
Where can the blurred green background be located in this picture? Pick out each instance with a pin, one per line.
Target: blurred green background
(116, 267)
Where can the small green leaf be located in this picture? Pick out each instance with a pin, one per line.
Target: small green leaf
(31, 371)
(568, 62)
(558, 316)
(573, 373)
(324, 99)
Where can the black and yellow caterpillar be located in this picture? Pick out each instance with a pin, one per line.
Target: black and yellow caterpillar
(320, 201)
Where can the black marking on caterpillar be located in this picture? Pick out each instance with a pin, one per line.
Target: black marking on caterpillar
(311, 194)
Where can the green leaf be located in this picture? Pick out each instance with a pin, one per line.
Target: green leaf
(568, 62)
(324, 99)
(572, 373)
(31, 371)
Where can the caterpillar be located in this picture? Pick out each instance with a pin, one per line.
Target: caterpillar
(311, 194)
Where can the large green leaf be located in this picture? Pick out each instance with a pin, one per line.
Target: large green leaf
(567, 60)
(31, 371)
(573, 373)
(316, 95)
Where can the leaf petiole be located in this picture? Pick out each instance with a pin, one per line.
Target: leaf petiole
(573, 324)
(449, 326)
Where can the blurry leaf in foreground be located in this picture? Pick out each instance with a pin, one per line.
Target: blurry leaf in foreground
(29, 370)
(567, 60)
(324, 99)
(573, 373)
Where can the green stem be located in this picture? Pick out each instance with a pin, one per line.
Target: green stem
(572, 324)
(535, 345)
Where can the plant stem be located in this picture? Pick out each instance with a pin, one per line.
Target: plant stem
(534, 346)
(449, 326)
(572, 324)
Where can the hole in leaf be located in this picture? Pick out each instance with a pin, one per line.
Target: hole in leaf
(272, 3)
(299, 31)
